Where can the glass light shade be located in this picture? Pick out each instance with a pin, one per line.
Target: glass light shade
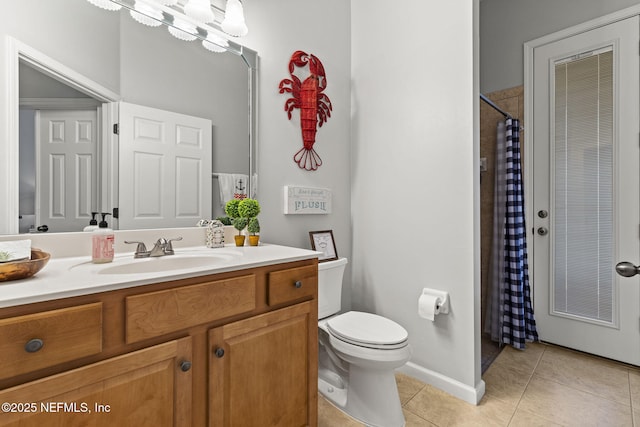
(214, 43)
(105, 4)
(200, 10)
(146, 14)
(183, 30)
(233, 23)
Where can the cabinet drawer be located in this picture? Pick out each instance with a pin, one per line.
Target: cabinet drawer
(64, 334)
(292, 284)
(157, 313)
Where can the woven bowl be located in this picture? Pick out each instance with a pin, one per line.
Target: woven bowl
(25, 268)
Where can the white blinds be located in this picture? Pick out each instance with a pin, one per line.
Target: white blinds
(583, 179)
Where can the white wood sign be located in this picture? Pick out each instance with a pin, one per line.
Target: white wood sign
(306, 200)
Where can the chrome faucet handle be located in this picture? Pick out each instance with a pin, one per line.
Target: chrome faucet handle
(159, 247)
(168, 248)
(141, 249)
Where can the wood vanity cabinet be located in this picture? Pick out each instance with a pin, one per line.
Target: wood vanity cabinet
(230, 349)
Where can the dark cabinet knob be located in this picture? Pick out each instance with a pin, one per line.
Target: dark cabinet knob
(33, 345)
(185, 365)
(298, 284)
(219, 352)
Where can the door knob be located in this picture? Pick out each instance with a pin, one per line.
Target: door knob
(627, 269)
(542, 231)
(543, 214)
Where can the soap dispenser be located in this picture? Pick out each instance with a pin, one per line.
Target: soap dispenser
(102, 242)
(93, 224)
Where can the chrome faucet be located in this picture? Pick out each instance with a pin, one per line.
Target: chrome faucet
(162, 247)
(141, 249)
(159, 247)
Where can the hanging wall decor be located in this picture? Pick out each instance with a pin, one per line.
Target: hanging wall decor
(315, 106)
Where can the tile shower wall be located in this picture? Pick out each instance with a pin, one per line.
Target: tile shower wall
(512, 101)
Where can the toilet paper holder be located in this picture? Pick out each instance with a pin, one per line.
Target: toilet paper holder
(442, 304)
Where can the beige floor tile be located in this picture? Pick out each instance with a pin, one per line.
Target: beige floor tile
(565, 405)
(444, 410)
(330, 416)
(634, 388)
(587, 373)
(412, 420)
(506, 384)
(525, 361)
(407, 387)
(523, 418)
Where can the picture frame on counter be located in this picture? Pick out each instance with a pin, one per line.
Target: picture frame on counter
(323, 241)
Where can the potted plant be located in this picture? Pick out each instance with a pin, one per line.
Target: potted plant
(253, 228)
(225, 220)
(249, 209)
(238, 222)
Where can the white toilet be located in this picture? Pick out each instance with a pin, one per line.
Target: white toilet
(358, 353)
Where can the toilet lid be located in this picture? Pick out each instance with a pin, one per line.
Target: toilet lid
(367, 330)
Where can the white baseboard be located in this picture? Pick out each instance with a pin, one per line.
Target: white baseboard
(449, 385)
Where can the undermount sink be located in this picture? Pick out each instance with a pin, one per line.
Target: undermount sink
(158, 264)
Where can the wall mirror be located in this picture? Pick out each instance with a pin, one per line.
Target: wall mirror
(95, 58)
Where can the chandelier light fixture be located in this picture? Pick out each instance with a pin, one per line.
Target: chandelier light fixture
(214, 43)
(183, 29)
(105, 4)
(200, 10)
(146, 14)
(187, 20)
(233, 23)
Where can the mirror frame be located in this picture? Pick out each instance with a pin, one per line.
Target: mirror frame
(18, 51)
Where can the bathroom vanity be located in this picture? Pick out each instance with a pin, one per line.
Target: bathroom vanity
(232, 342)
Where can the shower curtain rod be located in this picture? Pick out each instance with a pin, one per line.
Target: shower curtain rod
(495, 107)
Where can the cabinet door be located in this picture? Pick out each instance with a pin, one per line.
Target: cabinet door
(264, 370)
(149, 387)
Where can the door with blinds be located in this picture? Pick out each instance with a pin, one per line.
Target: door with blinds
(586, 190)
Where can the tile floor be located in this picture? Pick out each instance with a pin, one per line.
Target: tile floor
(542, 386)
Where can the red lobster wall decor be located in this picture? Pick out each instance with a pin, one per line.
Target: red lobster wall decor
(315, 107)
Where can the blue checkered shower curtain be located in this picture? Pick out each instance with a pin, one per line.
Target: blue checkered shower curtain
(509, 317)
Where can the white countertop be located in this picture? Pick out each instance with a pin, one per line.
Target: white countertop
(65, 277)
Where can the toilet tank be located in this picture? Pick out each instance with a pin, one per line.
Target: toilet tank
(330, 286)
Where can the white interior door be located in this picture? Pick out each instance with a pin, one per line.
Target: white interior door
(586, 190)
(66, 162)
(164, 168)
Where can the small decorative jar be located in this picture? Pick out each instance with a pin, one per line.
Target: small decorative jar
(215, 232)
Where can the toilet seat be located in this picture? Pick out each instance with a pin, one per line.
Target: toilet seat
(368, 330)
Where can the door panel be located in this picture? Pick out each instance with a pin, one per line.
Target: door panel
(67, 149)
(586, 175)
(165, 168)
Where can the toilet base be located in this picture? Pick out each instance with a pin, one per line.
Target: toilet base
(336, 395)
(370, 397)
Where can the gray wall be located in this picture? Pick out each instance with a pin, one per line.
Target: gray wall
(53, 26)
(505, 25)
(277, 28)
(413, 178)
